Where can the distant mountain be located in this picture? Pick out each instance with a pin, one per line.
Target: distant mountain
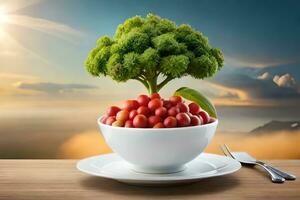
(275, 125)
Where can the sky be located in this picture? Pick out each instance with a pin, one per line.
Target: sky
(43, 46)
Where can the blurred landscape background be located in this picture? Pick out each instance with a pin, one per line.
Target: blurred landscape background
(49, 104)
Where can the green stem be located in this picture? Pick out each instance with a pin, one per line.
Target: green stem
(164, 82)
(143, 82)
(152, 85)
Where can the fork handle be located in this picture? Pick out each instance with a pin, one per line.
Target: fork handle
(274, 177)
(285, 175)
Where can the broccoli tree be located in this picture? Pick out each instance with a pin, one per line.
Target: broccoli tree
(143, 49)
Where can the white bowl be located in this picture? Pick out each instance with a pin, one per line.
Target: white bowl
(165, 150)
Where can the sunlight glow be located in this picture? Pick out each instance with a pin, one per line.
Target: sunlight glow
(3, 17)
(3, 20)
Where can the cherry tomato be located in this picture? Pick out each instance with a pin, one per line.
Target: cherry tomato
(162, 112)
(170, 122)
(122, 115)
(140, 121)
(204, 115)
(154, 104)
(110, 120)
(194, 108)
(183, 119)
(155, 96)
(112, 111)
(143, 110)
(152, 120)
(175, 100)
(159, 125)
(129, 124)
(167, 104)
(118, 123)
(131, 105)
(183, 107)
(103, 120)
(173, 111)
(132, 114)
(195, 120)
(211, 120)
(143, 100)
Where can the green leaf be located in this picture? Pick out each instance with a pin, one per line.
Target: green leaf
(197, 97)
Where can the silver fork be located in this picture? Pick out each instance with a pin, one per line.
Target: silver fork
(246, 156)
(277, 175)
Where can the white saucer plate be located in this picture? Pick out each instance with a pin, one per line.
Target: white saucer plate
(111, 166)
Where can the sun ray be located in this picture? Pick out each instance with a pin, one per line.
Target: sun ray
(12, 47)
(12, 44)
(4, 19)
(46, 26)
(15, 5)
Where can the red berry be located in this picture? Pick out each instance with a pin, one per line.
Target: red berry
(143, 110)
(204, 115)
(173, 111)
(143, 100)
(183, 119)
(155, 96)
(194, 108)
(162, 112)
(159, 125)
(110, 120)
(154, 104)
(170, 122)
(195, 120)
(112, 111)
(136, 104)
(175, 100)
(103, 119)
(132, 114)
(130, 105)
(118, 123)
(190, 114)
(167, 104)
(183, 107)
(211, 120)
(152, 120)
(122, 115)
(140, 121)
(129, 124)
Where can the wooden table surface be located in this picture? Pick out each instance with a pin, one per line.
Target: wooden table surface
(59, 179)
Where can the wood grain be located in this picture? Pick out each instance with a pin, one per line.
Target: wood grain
(59, 179)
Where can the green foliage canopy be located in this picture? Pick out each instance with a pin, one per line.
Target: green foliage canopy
(145, 48)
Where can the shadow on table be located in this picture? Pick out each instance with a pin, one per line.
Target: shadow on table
(205, 186)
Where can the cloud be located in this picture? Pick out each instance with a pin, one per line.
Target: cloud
(56, 29)
(260, 89)
(54, 88)
(38, 132)
(256, 62)
(13, 76)
(84, 144)
(92, 143)
(12, 51)
(285, 80)
(261, 147)
(264, 76)
(14, 5)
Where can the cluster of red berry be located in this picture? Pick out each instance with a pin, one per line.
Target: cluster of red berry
(155, 112)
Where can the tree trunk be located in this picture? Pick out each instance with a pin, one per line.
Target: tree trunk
(152, 86)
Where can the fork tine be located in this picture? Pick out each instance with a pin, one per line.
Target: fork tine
(224, 151)
(228, 150)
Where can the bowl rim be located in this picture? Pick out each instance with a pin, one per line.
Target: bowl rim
(215, 123)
